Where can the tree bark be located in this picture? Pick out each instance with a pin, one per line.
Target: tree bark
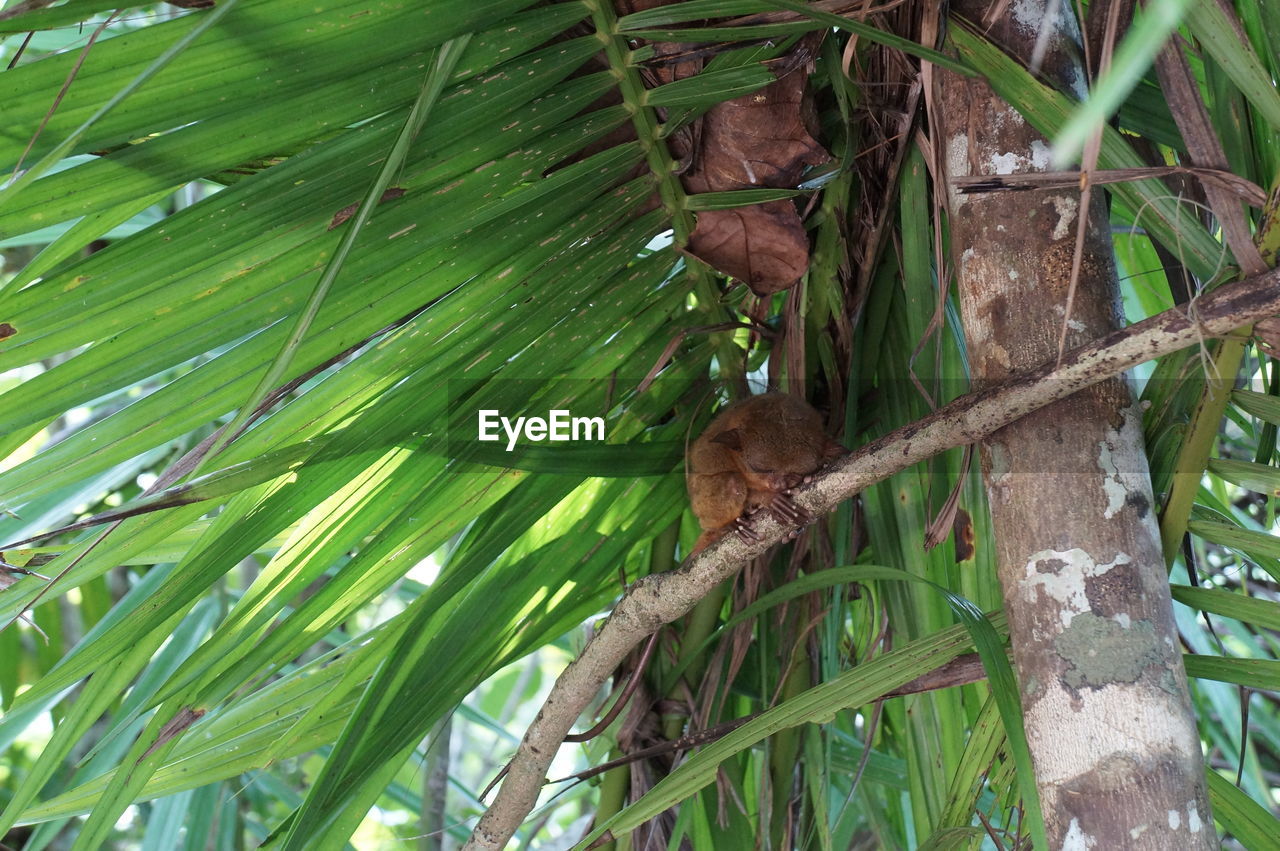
(1104, 693)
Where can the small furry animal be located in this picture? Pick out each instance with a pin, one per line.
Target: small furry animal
(750, 457)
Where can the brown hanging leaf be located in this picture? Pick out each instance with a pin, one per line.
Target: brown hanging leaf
(763, 245)
(755, 141)
(760, 140)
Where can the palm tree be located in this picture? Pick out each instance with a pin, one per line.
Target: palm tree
(288, 253)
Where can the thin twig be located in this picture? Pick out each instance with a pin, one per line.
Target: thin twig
(684, 743)
(632, 684)
(62, 92)
(974, 184)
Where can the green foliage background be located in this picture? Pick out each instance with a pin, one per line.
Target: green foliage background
(332, 584)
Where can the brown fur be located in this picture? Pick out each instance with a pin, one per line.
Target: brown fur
(750, 457)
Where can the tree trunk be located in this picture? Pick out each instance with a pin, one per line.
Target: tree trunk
(1104, 694)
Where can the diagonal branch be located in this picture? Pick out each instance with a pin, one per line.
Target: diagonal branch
(659, 599)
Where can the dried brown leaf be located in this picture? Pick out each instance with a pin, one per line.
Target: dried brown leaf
(757, 140)
(763, 245)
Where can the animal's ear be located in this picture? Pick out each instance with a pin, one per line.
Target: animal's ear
(731, 438)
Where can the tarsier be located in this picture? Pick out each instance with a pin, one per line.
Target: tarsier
(751, 456)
